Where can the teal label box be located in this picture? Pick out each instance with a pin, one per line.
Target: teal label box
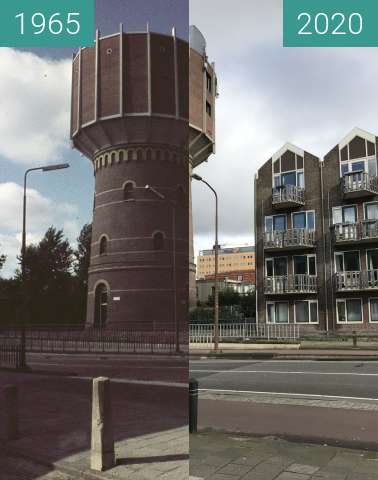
(47, 23)
(330, 23)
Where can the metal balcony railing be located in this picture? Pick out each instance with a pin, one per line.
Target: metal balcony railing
(297, 237)
(359, 182)
(359, 280)
(349, 232)
(290, 284)
(288, 194)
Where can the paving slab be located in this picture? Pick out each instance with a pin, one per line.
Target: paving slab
(269, 458)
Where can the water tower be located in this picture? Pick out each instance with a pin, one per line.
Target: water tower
(202, 95)
(129, 116)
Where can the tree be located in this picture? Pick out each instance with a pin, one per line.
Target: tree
(82, 256)
(226, 298)
(248, 304)
(2, 260)
(48, 279)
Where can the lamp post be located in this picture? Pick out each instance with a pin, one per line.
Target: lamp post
(216, 251)
(47, 168)
(174, 280)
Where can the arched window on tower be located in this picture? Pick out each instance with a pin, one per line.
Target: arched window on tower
(128, 191)
(101, 306)
(103, 245)
(158, 241)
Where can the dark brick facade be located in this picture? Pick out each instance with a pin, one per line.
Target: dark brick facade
(323, 190)
(130, 105)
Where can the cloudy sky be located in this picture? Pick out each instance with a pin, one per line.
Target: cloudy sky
(269, 96)
(34, 127)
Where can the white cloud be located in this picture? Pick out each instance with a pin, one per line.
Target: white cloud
(42, 212)
(34, 106)
(268, 96)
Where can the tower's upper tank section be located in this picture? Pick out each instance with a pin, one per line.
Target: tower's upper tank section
(126, 88)
(202, 95)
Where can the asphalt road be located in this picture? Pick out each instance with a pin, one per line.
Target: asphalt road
(155, 368)
(357, 380)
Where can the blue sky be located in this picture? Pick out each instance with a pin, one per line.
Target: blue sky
(34, 126)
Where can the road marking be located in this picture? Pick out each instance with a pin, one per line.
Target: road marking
(286, 394)
(280, 372)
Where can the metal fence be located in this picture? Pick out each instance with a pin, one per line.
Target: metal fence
(288, 193)
(10, 352)
(290, 284)
(203, 333)
(359, 280)
(94, 341)
(297, 237)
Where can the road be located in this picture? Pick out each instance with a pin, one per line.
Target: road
(320, 379)
(323, 402)
(155, 368)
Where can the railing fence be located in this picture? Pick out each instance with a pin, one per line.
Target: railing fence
(10, 353)
(204, 334)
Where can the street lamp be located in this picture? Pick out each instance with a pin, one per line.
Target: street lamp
(216, 251)
(173, 205)
(46, 168)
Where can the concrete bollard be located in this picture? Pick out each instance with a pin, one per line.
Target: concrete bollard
(10, 412)
(102, 443)
(354, 339)
(193, 405)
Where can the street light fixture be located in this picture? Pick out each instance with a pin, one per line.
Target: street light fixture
(46, 168)
(173, 205)
(216, 252)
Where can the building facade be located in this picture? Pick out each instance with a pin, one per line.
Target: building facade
(230, 260)
(316, 227)
(130, 117)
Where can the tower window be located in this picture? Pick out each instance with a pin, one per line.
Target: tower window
(208, 109)
(103, 245)
(208, 82)
(128, 191)
(158, 241)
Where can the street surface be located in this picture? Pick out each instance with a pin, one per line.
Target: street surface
(322, 402)
(149, 397)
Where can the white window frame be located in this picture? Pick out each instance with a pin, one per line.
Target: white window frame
(272, 258)
(370, 320)
(309, 311)
(306, 255)
(339, 300)
(274, 304)
(342, 206)
(342, 253)
(272, 217)
(364, 159)
(366, 256)
(364, 207)
(297, 170)
(296, 166)
(305, 212)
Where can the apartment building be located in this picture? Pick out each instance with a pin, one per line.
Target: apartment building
(233, 259)
(316, 224)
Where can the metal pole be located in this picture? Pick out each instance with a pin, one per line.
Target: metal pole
(193, 405)
(175, 277)
(23, 364)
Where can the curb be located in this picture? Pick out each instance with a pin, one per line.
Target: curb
(274, 356)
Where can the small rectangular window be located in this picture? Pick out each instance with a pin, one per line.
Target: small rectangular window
(208, 109)
(373, 309)
(209, 83)
(349, 311)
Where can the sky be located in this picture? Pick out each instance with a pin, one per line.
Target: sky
(268, 96)
(35, 88)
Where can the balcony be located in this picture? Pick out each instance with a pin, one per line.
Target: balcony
(290, 284)
(356, 281)
(287, 196)
(359, 184)
(350, 233)
(298, 238)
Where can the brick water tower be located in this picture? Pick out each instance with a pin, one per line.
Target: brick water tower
(130, 117)
(202, 95)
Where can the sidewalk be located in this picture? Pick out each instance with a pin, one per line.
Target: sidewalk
(149, 423)
(218, 456)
